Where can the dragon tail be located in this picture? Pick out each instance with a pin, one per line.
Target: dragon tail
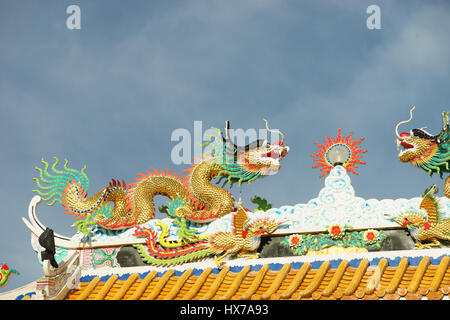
(69, 187)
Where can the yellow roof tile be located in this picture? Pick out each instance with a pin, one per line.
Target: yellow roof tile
(356, 280)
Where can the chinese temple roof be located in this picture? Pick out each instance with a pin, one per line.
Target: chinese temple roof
(113, 272)
(410, 278)
(336, 246)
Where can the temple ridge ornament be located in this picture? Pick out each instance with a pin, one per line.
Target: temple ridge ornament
(426, 224)
(338, 239)
(424, 150)
(197, 199)
(243, 240)
(343, 151)
(5, 274)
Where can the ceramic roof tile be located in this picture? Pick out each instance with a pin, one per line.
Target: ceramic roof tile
(356, 280)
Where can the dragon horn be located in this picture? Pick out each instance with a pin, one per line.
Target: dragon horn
(275, 131)
(445, 124)
(227, 127)
(403, 122)
(234, 149)
(226, 138)
(444, 120)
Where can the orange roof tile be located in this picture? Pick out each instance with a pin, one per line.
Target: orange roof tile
(311, 281)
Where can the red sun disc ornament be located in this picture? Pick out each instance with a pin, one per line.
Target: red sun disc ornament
(342, 151)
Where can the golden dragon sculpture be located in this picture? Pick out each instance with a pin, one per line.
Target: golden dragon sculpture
(197, 199)
(426, 224)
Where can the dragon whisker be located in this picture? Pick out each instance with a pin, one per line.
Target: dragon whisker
(404, 122)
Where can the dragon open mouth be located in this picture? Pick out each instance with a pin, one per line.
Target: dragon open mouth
(266, 161)
(402, 145)
(274, 154)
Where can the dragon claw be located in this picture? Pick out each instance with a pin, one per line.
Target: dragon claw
(249, 255)
(219, 262)
(420, 245)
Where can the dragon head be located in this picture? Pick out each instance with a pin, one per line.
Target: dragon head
(258, 158)
(421, 149)
(262, 226)
(427, 213)
(264, 158)
(411, 219)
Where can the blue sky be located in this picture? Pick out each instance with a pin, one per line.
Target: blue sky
(109, 96)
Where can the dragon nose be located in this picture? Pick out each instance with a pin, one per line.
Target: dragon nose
(404, 135)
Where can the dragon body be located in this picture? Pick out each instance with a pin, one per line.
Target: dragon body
(426, 151)
(426, 224)
(133, 203)
(243, 241)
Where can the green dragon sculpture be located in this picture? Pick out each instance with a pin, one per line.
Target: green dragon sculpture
(426, 151)
(197, 199)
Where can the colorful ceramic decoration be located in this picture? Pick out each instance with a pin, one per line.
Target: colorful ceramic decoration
(262, 203)
(336, 231)
(371, 236)
(104, 257)
(5, 274)
(426, 224)
(121, 245)
(335, 203)
(294, 240)
(338, 236)
(426, 151)
(243, 241)
(201, 202)
(342, 151)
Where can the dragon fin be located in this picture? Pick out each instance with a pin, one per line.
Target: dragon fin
(430, 205)
(239, 220)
